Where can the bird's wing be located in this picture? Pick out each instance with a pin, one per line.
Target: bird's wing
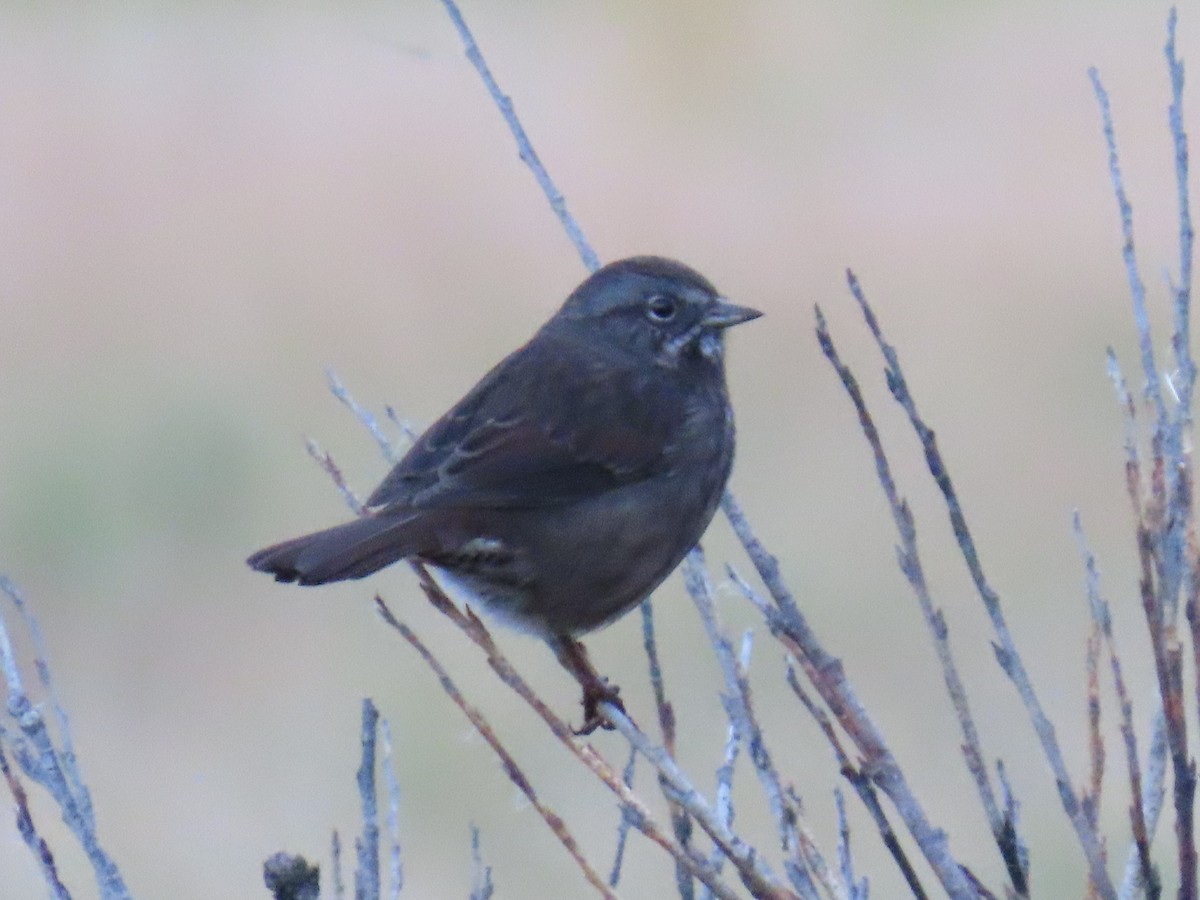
(540, 429)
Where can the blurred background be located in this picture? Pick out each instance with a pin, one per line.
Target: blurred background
(203, 206)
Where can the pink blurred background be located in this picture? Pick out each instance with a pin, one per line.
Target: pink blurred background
(202, 207)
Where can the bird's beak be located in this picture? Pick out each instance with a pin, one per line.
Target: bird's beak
(724, 314)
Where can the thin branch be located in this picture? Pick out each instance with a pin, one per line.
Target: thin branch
(339, 887)
(1151, 797)
(756, 875)
(1004, 833)
(1005, 648)
(1168, 668)
(1102, 618)
(1167, 518)
(524, 147)
(1181, 338)
(740, 711)
(395, 865)
(365, 416)
(366, 872)
(1164, 516)
(1137, 288)
(28, 831)
(858, 779)
(481, 875)
(724, 790)
(1096, 752)
(857, 889)
(681, 824)
(752, 869)
(55, 768)
(514, 772)
(825, 672)
(614, 876)
(325, 461)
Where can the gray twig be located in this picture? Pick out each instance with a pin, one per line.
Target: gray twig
(1146, 872)
(481, 875)
(739, 709)
(365, 416)
(524, 147)
(325, 461)
(723, 801)
(1005, 648)
(55, 768)
(1164, 515)
(614, 875)
(857, 890)
(366, 872)
(825, 671)
(753, 871)
(335, 852)
(1137, 288)
(681, 824)
(485, 730)
(1181, 338)
(856, 775)
(395, 865)
(1008, 841)
(28, 831)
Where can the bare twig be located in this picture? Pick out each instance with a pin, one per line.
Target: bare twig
(55, 768)
(485, 730)
(1102, 618)
(753, 870)
(339, 887)
(857, 890)
(1150, 799)
(1096, 752)
(858, 779)
(524, 147)
(28, 831)
(825, 875)
(1136, 287)
(481, 875)
(364, 416)
(756, 875)
(1164, 516)
(724, 791)
(1181, 338)
(395, 866)
(1003, 831)
(739, 709)
(1005, 647)
(829, 679)
(325, 461)
(366, 846)
(614, 876)
(681, 824)
(1168, 667)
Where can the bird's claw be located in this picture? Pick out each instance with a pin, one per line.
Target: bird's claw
(594, 694)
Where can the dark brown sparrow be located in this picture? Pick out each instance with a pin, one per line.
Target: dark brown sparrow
(574, 477)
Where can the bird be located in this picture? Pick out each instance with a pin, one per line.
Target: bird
(564, 487)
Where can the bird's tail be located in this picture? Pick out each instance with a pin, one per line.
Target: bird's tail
(353, 550)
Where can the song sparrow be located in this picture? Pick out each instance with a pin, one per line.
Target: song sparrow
(567, 484)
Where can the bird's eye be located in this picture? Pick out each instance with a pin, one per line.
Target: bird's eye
(660, 308)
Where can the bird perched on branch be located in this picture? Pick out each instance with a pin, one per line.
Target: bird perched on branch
(573, 478)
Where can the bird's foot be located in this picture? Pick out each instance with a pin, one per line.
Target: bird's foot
(593, 716)
(596, 688)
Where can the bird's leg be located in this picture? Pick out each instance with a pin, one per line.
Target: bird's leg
(596, 690)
